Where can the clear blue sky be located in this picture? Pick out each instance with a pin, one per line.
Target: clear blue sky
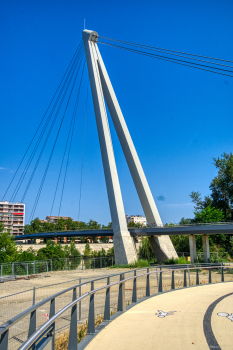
(179, 117)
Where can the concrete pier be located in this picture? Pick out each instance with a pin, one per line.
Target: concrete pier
(193, 248)
(206, 248)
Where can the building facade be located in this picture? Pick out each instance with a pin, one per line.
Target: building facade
(12, 216)
(137, 219)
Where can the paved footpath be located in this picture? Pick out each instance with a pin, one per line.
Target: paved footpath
(182, 319)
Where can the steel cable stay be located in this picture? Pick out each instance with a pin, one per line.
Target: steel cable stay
(173, 60)
(70, 73)
(155, 48)
(84, 136)
(42, 133)
(49, 132)
(71, 129)
(68, 157)
(41, 122)
(52, 151)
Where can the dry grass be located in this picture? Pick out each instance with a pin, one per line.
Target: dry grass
(62, 340)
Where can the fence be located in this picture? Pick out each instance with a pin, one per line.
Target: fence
(84, 300)
(29, 268)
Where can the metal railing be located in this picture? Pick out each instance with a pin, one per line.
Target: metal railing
(180, 277)
(30, 268)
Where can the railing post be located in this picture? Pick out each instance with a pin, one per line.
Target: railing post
(148, 283)
(222, 273)
(52, 313)
(91, 316)
(185, 279)
(73, 336)
(27, 278)
(82, 262)
(4, 340)
(32, 326)
(94, 263)
(47, 269)
(134, 296)
(121, 295)
(79, 307)
(66, 265)
(1, 280)
(197, 277)
(12, 271)
(112, 260)
(157, 277)
(101, 262)
(160, 282)
(173, 280)
(51, 265)
(210, 279)
(34, 268)
(34, 296)
(107, 302)
(189, 276)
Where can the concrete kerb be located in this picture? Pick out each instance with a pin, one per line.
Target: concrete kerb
(83, 344)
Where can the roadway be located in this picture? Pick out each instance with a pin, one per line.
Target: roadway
(193, 322)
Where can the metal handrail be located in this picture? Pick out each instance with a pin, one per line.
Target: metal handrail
(31, 340)
(17, 318)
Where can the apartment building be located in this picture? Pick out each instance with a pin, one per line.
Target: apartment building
(137, 219)
(12, 216)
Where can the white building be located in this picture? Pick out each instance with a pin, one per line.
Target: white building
(137, 219)
(12, 216)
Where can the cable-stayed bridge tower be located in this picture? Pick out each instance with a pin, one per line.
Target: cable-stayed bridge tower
(102, 90)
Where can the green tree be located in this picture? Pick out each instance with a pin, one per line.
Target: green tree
(146, 251)
(87, 249)
(8, 249)
(35, 226)
(222, 185)
(208, 214)
(133, 224)
(184, 221)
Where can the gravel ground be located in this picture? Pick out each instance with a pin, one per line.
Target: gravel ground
(46, 286)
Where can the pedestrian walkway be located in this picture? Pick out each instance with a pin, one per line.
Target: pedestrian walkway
(192, 318)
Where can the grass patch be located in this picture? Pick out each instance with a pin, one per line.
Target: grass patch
(62, 340)
(137, 264)
(177, 261)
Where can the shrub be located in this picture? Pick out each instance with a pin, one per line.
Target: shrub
(177, 261)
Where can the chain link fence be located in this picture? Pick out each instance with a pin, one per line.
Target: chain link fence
(10, 271)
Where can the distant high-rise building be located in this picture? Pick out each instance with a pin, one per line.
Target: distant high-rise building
(137, 219)
(12, 216)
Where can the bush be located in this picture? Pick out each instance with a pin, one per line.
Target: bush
(139, 263)
(146, 251)
(177, 261)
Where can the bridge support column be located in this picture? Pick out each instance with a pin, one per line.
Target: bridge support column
(124, 248)
(206, 248)
(193, 248)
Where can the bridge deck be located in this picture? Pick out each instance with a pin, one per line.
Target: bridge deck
(141, 328)
(156, 231)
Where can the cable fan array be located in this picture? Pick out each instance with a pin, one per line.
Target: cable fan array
(56, 113)
(52, 121)
(209, 64)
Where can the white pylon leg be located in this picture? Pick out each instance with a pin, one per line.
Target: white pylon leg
(124, 247)
(162, 246)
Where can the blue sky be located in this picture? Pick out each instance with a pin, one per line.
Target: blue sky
(179, 117)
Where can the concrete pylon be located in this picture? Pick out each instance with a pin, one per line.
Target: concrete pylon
(124, 248)
(101, 84)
